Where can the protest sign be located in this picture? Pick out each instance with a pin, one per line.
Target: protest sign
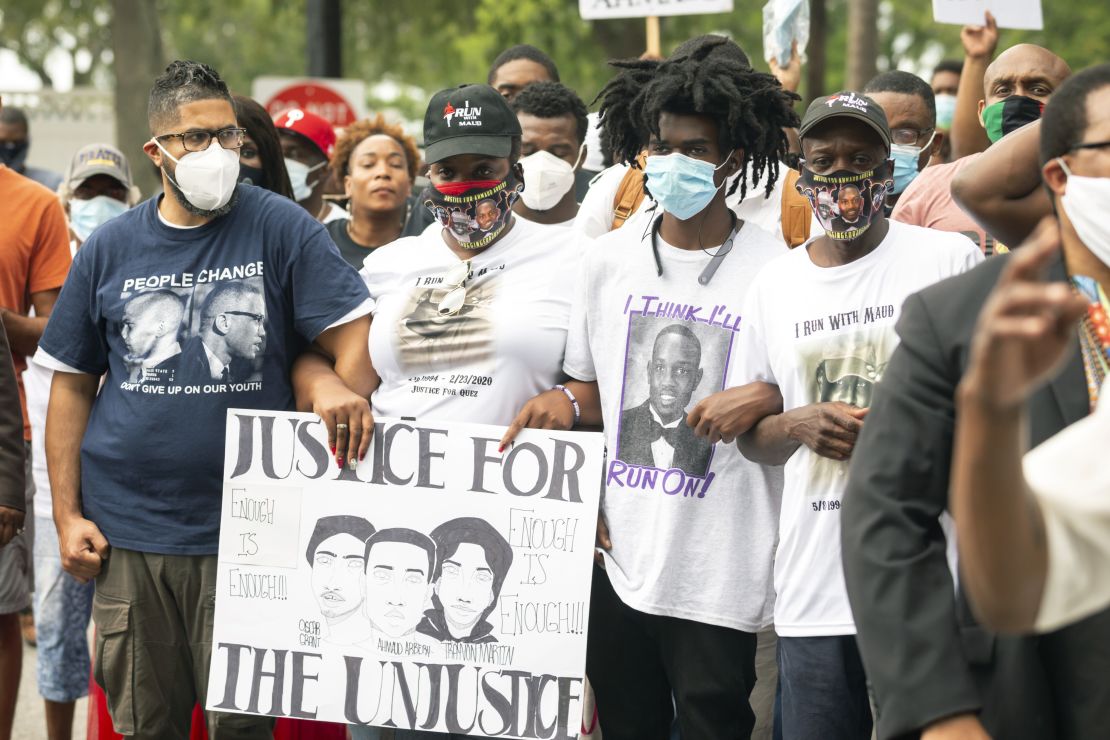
(1024, 14)
(600, 9)
(440, 586)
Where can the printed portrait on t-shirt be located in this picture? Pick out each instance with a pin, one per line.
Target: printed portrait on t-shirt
(150, 331)
(431, 337)
(228, 333)
(845, 368)
(670, 365)
(206, 334)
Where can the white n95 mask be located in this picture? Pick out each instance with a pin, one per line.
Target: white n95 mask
(546, 179)
(206, 178)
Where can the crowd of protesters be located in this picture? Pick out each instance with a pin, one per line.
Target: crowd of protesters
(875, 326)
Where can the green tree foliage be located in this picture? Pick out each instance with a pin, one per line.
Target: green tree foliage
(434, 43)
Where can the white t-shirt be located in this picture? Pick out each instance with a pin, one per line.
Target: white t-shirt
(334, 213)
(693, 526)
(826, 334)
(36, 384)
(595, 215)
(505, 345)
(1071, 482)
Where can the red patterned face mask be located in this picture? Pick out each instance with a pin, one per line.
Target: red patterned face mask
(476, 212)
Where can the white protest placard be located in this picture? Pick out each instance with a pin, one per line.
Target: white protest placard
(600, 9)
(441, 585)
(1023, 14)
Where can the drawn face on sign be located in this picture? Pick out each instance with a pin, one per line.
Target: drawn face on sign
(337, 580)
(465, 588)
(397, 586)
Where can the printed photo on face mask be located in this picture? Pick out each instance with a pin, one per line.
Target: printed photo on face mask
(477, 215)
(846, 203)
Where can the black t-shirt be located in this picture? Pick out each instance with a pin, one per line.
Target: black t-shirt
(418, 219)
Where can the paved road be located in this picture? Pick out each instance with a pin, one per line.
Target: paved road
(30, 722)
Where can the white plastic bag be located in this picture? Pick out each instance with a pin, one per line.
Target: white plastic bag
(785, 22)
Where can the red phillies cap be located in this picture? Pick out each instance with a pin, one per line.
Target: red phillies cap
(309, 125)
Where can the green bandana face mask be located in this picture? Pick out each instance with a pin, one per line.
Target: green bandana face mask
(1007, 116)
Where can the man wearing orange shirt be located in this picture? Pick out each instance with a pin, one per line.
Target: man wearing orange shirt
(34, 259)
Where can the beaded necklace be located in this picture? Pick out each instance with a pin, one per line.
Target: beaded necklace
(1094, 335)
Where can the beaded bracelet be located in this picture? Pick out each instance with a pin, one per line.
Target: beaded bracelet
(573, 402)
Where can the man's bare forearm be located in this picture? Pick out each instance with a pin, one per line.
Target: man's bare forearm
(967, 135)
(1000, 529)
(71, 400)
(24, 332)
(1002, 189)
(769, 441)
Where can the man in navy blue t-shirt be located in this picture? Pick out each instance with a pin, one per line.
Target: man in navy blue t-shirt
(197, 301)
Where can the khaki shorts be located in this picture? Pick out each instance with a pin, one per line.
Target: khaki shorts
(153, 616)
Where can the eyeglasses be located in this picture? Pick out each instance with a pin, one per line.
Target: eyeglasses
(198, 141)
(907, 136)
(255, 317)
(1092, 145)
(455, 282)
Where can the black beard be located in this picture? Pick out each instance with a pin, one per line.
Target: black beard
(214, 213)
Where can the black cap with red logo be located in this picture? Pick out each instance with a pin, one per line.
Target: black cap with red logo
(847, 104)
(469, 119)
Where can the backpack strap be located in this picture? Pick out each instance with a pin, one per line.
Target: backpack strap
(630, 193)
(797, 216)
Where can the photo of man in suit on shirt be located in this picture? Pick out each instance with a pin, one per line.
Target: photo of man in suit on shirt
(654, 432)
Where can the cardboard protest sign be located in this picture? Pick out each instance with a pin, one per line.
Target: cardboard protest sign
(600, 9)
(440, 586)
(1024, 14)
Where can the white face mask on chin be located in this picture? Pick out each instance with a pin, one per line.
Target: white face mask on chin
(298, 177)
(208, 178)
(1085, 202)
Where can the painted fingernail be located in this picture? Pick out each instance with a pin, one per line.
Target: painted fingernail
(501, 448)
(333, 449)
(339, 461)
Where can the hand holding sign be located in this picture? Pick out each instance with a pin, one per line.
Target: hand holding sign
(1024, 14)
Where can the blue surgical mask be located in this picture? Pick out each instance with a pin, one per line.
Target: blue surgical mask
(87, 215)
(906, 159)
(946, 110)
(681, 185)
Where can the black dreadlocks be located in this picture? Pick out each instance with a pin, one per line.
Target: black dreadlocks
(711, 77)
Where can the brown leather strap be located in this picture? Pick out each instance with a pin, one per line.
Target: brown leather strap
(797, 217)
(630, 193)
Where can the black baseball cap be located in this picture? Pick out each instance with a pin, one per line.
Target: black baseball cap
(468, 119)
(846, 104)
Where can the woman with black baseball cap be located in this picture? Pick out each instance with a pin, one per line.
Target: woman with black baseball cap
(470, 318)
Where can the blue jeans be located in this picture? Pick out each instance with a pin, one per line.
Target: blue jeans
(824, 689)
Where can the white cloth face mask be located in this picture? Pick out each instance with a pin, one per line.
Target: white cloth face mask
(1085, 202)
(206, 178)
